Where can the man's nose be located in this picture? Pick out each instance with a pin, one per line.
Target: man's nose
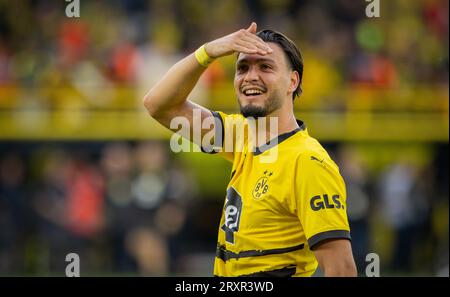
(252, 74)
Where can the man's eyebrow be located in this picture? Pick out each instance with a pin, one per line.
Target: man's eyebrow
(242, 61)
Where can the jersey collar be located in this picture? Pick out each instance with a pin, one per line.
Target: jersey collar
(279, 139)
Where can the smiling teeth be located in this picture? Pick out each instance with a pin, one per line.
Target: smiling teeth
(252, 92)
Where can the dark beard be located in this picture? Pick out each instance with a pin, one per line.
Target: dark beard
(252, 111)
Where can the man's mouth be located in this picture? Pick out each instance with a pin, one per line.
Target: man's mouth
(253, 91)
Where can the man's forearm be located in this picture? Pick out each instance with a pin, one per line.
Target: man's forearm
(175, 86)
(335, 258)
(343, 270)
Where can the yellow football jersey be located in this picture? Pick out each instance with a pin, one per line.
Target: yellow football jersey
(278, 209)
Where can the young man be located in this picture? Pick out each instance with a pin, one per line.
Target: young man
(285, 215)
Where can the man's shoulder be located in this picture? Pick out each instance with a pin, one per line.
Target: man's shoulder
(304, 143)
(308, 148)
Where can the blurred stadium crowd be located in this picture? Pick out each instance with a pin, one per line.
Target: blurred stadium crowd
(129, 206)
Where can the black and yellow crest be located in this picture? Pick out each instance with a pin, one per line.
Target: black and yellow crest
(262, 185)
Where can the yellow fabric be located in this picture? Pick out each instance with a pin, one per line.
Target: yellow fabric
(271, 207)
(202, 57)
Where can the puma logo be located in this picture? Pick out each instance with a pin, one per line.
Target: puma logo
(315, 159)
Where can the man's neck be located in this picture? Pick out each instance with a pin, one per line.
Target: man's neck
(276, 124)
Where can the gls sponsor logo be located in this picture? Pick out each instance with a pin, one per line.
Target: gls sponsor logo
(321, 202)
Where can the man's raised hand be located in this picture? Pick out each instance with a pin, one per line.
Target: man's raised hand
(243, 41)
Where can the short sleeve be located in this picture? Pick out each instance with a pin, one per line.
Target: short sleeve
(229, 134)
(218, 135)
(320, 198)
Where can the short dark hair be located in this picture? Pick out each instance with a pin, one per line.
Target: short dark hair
(290, 49)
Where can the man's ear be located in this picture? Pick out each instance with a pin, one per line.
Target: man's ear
(295, 81)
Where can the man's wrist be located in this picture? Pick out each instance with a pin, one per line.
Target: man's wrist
(202, 56)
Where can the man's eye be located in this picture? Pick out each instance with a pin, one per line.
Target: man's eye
(241, 68)
(266, 66)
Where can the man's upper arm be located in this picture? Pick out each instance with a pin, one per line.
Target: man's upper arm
(199, 125)
(321, 207)
(320, 199)
(188, 111)
(186, 118)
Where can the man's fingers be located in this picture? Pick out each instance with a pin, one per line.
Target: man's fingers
(250, 36)
(250, 48)
(258, 42)
(245, 50)
(260, 48)
(252, 28)
(246, 41)
(247, 45)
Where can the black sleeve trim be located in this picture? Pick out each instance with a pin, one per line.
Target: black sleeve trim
(218, 134)
(333, 234)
